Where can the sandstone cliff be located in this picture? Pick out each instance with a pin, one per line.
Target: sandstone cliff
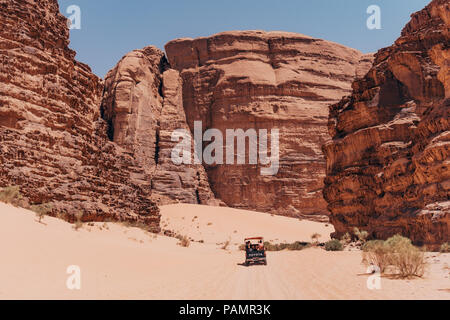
(388, 168)
(142, 104)
(53, 141)
(258, 80)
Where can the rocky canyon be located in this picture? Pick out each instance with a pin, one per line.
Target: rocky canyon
(234, 80)
(363, 140)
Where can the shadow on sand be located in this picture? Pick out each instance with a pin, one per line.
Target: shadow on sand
(251, 265)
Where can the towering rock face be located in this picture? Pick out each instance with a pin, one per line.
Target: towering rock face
(142, 104)
(53, 143)
(257, 80)
(388, 168)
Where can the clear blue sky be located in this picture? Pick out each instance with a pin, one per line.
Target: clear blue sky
(111, 28)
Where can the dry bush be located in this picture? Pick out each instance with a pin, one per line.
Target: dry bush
(398, 241)
(137, 224)
(405, 257)
(298, 245)
(409, 261)
(396, 253)
(445, 247)
(346, 239)
(334, 245)
(184, 241)
(295, 246)
(42, 210)
(361, 235)
(376, 253)
(11, 195)
(225, 245)
(78, 223)
(315, 237)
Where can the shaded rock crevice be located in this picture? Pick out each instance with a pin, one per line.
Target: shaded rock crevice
(143, 97)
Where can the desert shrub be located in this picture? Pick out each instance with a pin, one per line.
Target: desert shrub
(225, 245)
(396, 253)
(370, 245)
(346, 238)
(42, 210)
(408, 260)
(361, 235)
(11, 195)
(271, 247)
(334, 245)
(78, 222)
(295, 246)
(376, 252)
(267, 245)
(298, 245)
(281, 246)
(398, 241)
(184, 241)
(315, 237)
(445, 247)
(137, 224)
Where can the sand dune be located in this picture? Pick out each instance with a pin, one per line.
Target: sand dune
(117, 262)
(219, 224)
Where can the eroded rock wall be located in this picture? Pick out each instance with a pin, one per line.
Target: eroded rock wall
(142, 104)
(258, 80)
(388, 167)
(53, 142)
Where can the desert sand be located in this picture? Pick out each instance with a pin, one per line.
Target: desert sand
(118, 262)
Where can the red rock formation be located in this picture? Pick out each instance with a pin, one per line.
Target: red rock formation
(388, 168)
(53, 142)
(142, 104)
(259, 80)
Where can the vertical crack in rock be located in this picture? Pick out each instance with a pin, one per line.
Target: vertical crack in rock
(157, 143)
(146, 97)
